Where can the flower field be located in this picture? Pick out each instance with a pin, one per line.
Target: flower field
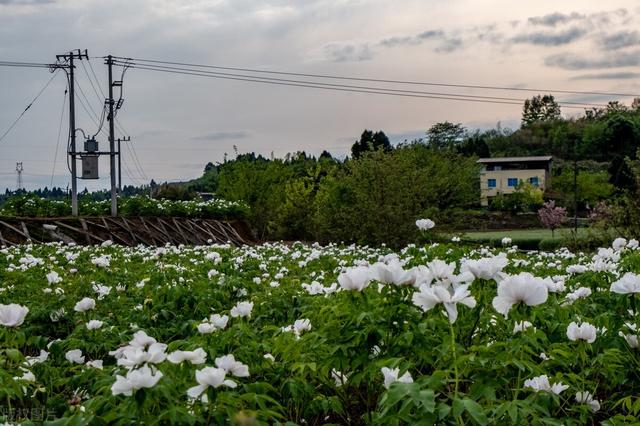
(138, 205)
(299, 334)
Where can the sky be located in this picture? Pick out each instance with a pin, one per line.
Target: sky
(179, 123)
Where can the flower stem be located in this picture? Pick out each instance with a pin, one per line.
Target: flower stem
(455, 359)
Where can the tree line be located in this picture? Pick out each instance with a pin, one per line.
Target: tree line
(376, 193)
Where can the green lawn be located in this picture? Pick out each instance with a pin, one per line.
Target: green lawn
(540, 233)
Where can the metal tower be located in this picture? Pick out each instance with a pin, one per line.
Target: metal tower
(19, 170)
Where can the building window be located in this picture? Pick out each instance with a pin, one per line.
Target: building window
(491, 183)
(534, 181)
(512, 182)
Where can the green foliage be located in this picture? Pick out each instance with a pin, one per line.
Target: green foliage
(526, 198)
(377, 198)
(592, 187)
(445, 135)
(540, 108)
(370, 141)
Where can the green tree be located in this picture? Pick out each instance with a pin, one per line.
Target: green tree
(378, 197)
(445, 135)
(540, 108)
(592, 187)
(370, 141)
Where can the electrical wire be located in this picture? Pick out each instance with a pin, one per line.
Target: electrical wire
(378, 80)
(325, 86)
(349, 86)
(97, 79)
(55, 156)
(23, 64)
(84, 96)
(137, 163)
(100, 100)
(27, 108)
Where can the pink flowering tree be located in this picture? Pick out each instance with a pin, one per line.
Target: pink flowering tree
(551, 216)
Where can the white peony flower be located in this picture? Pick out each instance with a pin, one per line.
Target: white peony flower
(229, 364)
(53, 277)
(97, 364)
(506, 241)
(391, 376)
(269, 357)
(587, 398)
(488, 268)
(198, 356)
(541, 383)
(206, 328)
(84, 305)
(619, 243)
(209, 376)
(12, 315)
(428, 297)
(75, 356)
(521, 326)
(524, 288)
(425, 224)
(628, 284)
(339, 378)
(357, 278)
(584, 331)
(32, 360)
(242, 309)
(134, 380)
(576, 269)
(94, 324)
(391, 273)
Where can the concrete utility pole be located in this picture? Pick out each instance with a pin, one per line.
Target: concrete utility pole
(112, 150)
(68, 65)
(127, 139)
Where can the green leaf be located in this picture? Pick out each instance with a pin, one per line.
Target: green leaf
(475, 410)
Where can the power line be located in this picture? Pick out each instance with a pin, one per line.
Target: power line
(97, 79)
(313, 85)
(378, 80)
(27, 108)
(55, 156)
(349, 86)
(100, 100)
(23, 64)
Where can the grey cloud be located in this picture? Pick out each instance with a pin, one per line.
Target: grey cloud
(542, 38)
(348, 52)
(430, 34)
(553, 19)
(570, 61)
(25, 2)
(608, 76)
(447, 43)
(400, 41)
(620, 40)
(220, 136)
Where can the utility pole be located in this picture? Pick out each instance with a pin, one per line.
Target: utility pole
(127, 139)
(19, 170)
(575, 188)
(69, 57)
(112, 153)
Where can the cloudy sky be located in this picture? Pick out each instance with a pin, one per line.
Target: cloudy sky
(178, 123)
